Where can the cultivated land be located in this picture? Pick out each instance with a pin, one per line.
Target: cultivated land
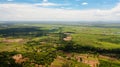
(59, 45)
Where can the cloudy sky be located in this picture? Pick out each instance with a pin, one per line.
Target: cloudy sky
(59, 10)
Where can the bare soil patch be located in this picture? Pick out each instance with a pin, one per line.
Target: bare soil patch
(12, 40)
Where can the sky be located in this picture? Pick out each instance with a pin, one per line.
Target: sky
(59, 10)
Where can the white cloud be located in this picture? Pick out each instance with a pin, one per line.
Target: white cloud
(9, 0)
(48, 4)
(31, 12)
(84, 3)
(45, 0)
(45, 3)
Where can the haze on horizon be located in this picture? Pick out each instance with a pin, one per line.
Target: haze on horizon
(60, 10)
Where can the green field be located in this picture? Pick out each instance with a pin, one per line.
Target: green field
(60, 45)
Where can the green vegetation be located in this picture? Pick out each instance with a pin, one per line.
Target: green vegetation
(109, 63)
(57, 45)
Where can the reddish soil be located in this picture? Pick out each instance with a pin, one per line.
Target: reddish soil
(19, 58)
(84, 59)
(68, 38)
(12, 40)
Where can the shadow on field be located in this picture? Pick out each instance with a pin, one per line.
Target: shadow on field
(23, 32)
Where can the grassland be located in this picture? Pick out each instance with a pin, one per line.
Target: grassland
(89, 45)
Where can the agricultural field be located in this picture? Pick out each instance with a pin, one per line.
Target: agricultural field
(59, 45)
